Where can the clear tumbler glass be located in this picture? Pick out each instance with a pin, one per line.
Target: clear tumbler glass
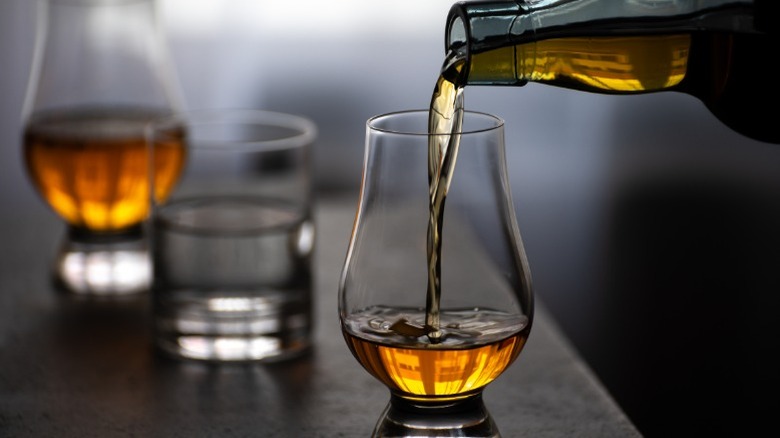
(232, 243)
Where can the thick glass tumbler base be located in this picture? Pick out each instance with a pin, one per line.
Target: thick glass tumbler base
(103, 265)
(462, 418)
(232, 327)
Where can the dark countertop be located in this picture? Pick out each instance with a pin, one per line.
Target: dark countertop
(70, 367)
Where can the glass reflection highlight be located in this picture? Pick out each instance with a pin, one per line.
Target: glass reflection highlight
(106, 272)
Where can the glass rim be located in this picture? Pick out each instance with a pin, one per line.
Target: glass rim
(370, 123)
(305, 130)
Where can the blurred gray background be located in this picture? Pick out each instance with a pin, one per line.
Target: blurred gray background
(651, 229)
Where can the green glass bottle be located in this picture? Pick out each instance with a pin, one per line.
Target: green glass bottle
(720, 51)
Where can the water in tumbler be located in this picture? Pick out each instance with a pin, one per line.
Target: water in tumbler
(233, 279)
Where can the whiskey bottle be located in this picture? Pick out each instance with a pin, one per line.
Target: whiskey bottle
(719, 51)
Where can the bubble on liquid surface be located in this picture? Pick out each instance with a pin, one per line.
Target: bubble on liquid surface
(379, 324)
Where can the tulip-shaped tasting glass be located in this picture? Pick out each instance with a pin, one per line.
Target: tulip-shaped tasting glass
(435, 301)
(100, 74)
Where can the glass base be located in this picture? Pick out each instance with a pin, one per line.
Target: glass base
(103, 265)
(461, 418)
(229, 349)
(240, 326)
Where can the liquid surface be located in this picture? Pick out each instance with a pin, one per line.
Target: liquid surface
(91, 166)
(233, 243)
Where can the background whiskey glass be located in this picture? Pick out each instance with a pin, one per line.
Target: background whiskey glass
(99, 75)
(485, 310)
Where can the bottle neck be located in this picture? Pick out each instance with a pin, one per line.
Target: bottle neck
(477, 27)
